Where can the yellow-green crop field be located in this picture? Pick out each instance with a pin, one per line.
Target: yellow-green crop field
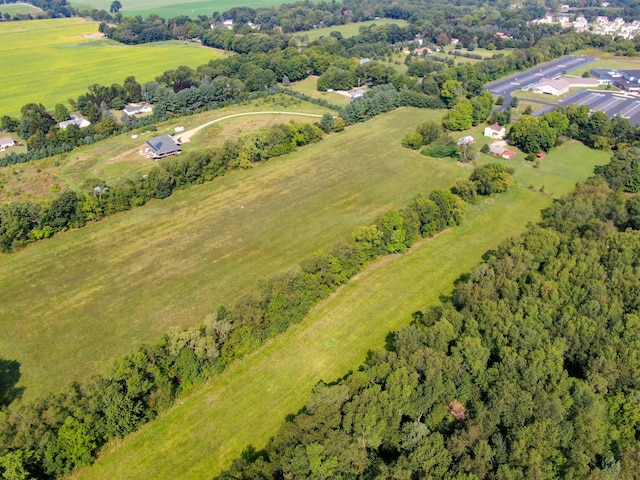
(50, 61)
(173, 8)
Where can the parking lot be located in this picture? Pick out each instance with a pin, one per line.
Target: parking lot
(612, 103)
(532, 76)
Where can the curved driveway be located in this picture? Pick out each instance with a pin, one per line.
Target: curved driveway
(186, 136)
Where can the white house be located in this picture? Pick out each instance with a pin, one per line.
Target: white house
(468, 140)
(75, 120)
(137, 109)
(6, 142)
(495, 131)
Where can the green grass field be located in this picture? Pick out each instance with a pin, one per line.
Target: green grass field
(348, 30)
(20, 9)
(194, 441)
(308, 86)
(94, 294)
(50, 61)
(173, 8)
(118, 157)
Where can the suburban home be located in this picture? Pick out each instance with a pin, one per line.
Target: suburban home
(6, 142)
(495, 131)
(357, 94)
(468, 140)
(75, 120)
(162, 146)
(508, 154)
(137, 109)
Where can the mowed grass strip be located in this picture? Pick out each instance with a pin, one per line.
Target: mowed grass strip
(246, 404)
(50, 61)
(71, 304)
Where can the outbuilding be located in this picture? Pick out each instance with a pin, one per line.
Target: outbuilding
(6, 142)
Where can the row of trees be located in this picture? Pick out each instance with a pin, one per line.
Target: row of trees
(596, 130)
(25, 222)
(529, 370)
(49, 437)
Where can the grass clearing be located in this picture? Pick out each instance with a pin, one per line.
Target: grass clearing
(348, 30)
(20, 9)
(173, 8)
(247, 403)
(119, 157)
(308, 86)
(66, 61)
(93, 294)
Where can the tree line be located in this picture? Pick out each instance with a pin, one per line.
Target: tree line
(529, 370)
(49, 437)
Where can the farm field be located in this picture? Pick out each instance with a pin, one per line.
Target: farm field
(248, 402)
(67, 61)
(348, 30)
(93, 294)
(118, 157)
(173, 8)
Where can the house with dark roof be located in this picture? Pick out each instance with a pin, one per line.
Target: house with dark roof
(162, 146)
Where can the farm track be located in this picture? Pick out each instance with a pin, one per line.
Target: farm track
(186, 136)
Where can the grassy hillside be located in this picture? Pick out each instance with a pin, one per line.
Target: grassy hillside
(53, 60)
(348, 30)
(173, 8)
(247, 403)
(19, 9)
(91, 295)
(119, 157)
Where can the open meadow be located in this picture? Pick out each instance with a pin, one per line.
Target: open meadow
(119, 157)
(94, 294)
(247, 403)
(348, 30)
(20, 9)
(173, 8)
(50, 61)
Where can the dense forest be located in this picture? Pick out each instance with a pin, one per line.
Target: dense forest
(530, 369)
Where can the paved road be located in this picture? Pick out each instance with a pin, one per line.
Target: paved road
(532, 76)
(186, 136)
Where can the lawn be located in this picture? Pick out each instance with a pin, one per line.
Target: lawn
(20, 9)
(119, 157)
(93, 294)
(556, 174)
(348, 30)
(173, 8)
(248, 402)
(50, 61)
(606, 60)
(308, 86)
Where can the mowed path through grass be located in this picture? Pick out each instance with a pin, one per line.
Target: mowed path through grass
(248, 402)
(71, 304)
(50, 61)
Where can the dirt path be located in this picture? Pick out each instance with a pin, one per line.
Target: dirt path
(186, 136)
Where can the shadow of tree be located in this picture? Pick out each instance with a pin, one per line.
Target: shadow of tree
(9, 377)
